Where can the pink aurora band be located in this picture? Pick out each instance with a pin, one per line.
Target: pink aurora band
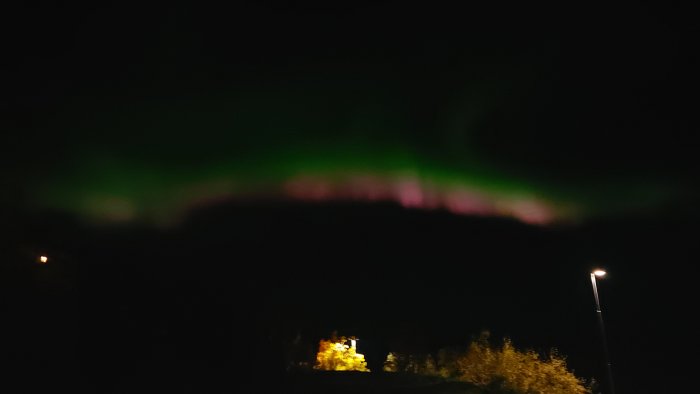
(412, 192)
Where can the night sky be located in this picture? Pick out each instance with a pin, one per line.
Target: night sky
(214, 181)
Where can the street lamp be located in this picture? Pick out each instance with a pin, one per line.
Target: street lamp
(600, 274)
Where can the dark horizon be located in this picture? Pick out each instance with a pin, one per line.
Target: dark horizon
(192, 292)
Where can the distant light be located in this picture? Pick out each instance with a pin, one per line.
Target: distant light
(599, 273)
(43, 259)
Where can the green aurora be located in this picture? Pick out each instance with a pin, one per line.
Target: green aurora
(153, 162)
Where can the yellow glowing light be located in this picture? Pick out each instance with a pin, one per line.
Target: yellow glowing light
(335, 355)
(599, 273)
(43, 259)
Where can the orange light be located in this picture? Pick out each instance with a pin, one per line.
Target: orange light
(43, 259)
(599, 273)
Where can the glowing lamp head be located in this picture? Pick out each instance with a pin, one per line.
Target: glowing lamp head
(43, 259)
(599, 273)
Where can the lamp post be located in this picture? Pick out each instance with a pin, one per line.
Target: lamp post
(601, 273)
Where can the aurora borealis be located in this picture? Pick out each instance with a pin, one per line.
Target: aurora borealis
(152, 160)
(156, 164)
(467, 118)
(141, 193)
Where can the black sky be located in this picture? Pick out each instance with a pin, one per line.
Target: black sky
(243, 277)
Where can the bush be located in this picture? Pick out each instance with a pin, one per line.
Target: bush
(501, 369)
(335, 355)
(519, 371)
(420, 365)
